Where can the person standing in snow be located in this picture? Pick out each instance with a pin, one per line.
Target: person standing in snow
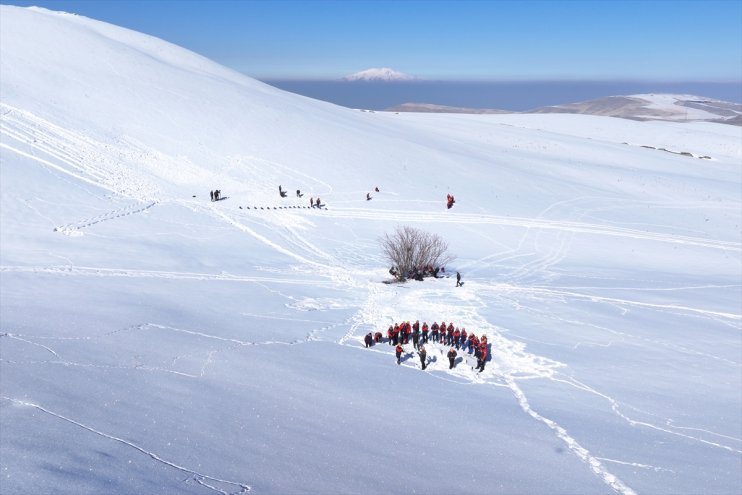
(458, 279)
(398, 351)
(434, 332)
(482, 357)
(451, 358)
(311, 202)
(368, 196)
(423, 356)
(368, 340)
(212, 195)
(318, 203)
(425, 332)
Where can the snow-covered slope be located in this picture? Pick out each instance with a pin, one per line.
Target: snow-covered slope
(153, 341)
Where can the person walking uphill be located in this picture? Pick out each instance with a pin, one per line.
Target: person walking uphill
(458, 279)
(398, 351)
(423, 356)
(451, 358)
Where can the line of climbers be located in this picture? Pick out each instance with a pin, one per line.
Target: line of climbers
(400, 334)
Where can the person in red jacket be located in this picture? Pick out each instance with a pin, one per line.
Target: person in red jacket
(377, 337)
(442, 337)
(390, 334)
(449, 334)
(398, 351)
(482, 357)
(464, 338)
(456, 338)
(425, 332)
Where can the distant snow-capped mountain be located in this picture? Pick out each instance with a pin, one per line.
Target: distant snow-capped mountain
(382, 74)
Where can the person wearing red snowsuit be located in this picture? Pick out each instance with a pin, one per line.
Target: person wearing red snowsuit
(398, 351)
(407, 332)
(482, 357)
(377, 337)
(390, 334)
(456, 338)
(442, 334)
(425, 332)
(449, 334)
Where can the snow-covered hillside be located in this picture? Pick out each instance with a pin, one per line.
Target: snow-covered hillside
(154, 341)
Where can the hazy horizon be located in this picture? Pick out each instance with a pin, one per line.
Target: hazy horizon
(517, 96)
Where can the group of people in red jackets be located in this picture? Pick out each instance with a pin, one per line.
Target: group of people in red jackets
(403, 333)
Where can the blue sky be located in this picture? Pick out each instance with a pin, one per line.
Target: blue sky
(462, 40)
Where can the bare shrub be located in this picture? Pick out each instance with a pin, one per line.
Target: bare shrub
(411, 250)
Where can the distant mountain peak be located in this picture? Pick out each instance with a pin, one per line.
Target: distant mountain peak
(379, 74)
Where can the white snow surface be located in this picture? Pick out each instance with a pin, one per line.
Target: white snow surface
(153, 341)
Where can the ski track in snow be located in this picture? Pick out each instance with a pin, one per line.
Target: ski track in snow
(202, 479)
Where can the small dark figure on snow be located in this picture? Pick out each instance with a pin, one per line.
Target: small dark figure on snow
(423, 357)
(318, 203)
(311, 202)
(458, 279)
(298, 193)
(368, 196)
(217, 195)
(451, 357)
(212, 195)
(368, 340)
(376, 188)
(378, 337)
(398, 351)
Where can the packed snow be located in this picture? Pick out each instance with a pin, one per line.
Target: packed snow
(154, 341)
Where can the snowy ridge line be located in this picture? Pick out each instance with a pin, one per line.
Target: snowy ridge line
(132, 273)
(609, 300)
(73, 229)
(531, 223)
(198, 477)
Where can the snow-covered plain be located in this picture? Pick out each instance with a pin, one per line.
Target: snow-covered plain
(153, 341)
